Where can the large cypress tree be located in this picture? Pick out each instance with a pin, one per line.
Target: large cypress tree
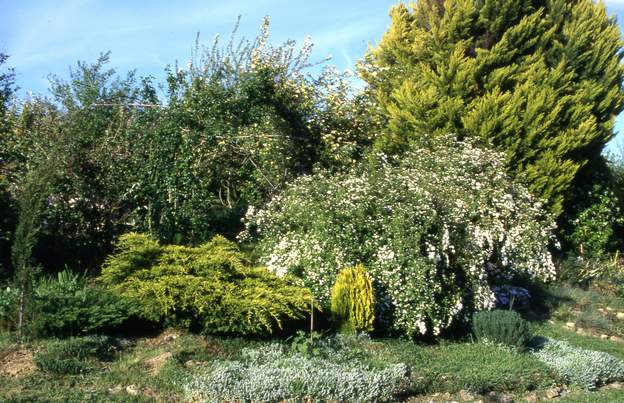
(539, 79)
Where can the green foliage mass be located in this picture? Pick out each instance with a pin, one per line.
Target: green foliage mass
(7, 202)
(210, 287)
(593, 228)
(31, 202)
(84, 202)
(234, 125)
(68, 305)
(7, 91)
(541, 80)
(241, 121)
(353, 300)
(501, 327)
(7, 225)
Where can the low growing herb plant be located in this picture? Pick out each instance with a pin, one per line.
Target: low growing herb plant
(501, 327)
(269, 373)
(585, 368)
(76, 355)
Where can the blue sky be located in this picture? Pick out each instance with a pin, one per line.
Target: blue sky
(46, 37)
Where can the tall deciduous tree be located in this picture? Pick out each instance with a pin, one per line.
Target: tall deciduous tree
(539, 79)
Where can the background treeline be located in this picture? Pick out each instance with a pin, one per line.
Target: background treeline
(226, 132)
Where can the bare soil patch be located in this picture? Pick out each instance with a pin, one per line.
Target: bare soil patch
(155, 364)
(18, 362)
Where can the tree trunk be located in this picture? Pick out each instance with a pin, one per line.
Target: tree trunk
(20, 316)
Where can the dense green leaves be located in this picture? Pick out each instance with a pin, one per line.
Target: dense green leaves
(542, 81)
(67, 305)
(231, 129)
(7, 202)
(7, 89)
(593, 229)
(240, 122)
(242, 125)
(31, 202)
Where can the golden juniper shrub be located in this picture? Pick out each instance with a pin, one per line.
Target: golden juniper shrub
(134, 252)
(353, 300)
(211, 287)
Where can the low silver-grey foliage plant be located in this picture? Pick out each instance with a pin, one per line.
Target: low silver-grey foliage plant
(586, 368)
(270, 373)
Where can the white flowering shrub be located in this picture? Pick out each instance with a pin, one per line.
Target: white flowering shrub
(434, 230)
(585, 368)
(270, 374)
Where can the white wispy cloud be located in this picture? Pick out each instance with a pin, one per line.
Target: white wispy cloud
(356, 31)
(43, 36)
(55, 30)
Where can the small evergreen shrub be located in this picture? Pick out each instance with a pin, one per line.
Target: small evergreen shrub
(67, 305)
(585, 368)
(76, 355)
(210, 287)
(353, 300)
(271, 374)
(501, 327)
(593, 225)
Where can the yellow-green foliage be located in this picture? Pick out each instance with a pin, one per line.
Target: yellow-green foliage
(353, 300)
(539, 80)
(210, 286)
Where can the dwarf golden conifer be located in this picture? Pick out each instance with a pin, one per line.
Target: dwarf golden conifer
(353, 300)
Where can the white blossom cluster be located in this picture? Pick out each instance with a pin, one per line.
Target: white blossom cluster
(433, 229)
